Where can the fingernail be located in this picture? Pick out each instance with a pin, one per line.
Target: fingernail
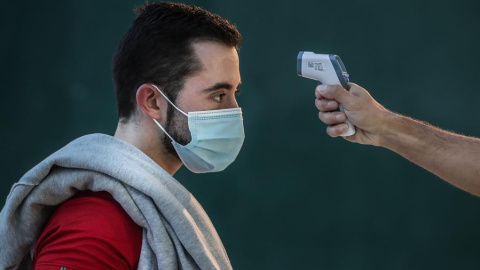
(339, 116)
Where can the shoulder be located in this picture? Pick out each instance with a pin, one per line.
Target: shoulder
(93, 212)
(90, 227)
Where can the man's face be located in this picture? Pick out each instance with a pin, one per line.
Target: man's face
(212, 88)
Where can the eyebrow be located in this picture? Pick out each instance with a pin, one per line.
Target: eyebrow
(220, 86)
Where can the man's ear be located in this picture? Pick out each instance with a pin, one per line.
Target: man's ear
(151, 102)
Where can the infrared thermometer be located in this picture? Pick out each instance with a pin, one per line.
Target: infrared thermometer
(326, 69)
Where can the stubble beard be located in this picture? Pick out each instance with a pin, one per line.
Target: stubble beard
(177, 126)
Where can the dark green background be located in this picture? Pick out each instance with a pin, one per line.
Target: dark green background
(295, 198)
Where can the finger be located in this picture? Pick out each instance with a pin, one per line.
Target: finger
(337, 130)
(326, 105)
(332, 118)
(336, 92)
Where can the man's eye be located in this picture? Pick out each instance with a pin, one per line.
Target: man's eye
(218, 98)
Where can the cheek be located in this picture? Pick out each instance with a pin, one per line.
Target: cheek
(199, 103)
(190, 99)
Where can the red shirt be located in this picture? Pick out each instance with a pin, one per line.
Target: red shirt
(89, 231)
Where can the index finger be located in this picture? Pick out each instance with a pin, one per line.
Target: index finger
(336, 92)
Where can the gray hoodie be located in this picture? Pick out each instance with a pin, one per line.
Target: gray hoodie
(177, 233)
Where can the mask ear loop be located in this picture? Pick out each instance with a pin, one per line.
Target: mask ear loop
(169, 100)
(160, 126)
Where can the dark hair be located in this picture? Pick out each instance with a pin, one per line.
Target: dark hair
(157, 49)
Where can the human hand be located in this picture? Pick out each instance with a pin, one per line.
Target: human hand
(368, 116)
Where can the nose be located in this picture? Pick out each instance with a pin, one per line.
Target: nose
(233, 103)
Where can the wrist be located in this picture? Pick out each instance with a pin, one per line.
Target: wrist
(392, 130)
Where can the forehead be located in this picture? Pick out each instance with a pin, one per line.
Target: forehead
(217, 58)
(219, 65)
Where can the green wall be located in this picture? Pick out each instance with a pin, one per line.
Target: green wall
(295, 198)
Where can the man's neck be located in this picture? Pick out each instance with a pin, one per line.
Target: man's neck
(149, 142)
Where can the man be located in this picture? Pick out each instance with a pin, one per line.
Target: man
(107, 202)
(450, 156)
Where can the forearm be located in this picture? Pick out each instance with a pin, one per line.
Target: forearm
(452, 157)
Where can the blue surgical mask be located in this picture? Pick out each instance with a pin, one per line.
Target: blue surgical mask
(217, 137)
